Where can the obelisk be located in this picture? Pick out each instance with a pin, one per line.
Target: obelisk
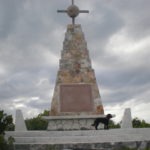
(76, 91)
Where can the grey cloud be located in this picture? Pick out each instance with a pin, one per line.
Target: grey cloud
(124, 85)
(124, 78)
(105, 23)
(136, 15)
(25, 84)
(9, 13)
(39, 104)
(31, 39)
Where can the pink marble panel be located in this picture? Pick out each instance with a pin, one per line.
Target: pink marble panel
(76, 98)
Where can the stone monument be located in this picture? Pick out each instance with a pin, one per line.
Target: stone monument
(76, 92)
(127, 119)
(76, 102)
(19, 121)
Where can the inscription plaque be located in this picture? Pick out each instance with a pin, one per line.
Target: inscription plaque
(76, 98)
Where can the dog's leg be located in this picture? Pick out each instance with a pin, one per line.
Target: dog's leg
(96, 125)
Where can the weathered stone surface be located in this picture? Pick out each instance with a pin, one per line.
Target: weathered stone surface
(19, 121)
(78, 122)
(94, 146)
(75, 68)
(115, 139)
(70, 96)
(127, 119)
(72, 123)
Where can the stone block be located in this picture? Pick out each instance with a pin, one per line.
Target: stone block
(19, 124)
(75, 68)
(127, 119)
(64, 123)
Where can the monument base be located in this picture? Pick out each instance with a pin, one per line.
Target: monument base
(113, 139)
(64, 123)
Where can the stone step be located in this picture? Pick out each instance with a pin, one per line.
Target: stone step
(70, 137)
(77, 139)
(144, 131)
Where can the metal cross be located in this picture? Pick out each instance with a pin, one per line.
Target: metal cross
(73, 11)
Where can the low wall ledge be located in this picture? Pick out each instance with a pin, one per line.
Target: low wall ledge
(72, 117)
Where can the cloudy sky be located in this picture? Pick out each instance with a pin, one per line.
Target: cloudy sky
(118, 37)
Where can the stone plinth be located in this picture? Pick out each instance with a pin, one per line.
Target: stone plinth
(76, 91)
(117, 139)
(19, 121)
(64, 123)
(127, 119)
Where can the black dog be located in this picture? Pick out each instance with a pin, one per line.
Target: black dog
(104, 120)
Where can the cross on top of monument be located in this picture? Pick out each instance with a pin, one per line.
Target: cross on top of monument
(73, 11)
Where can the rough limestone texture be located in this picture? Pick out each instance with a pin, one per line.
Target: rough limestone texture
(127, 119)
(20, 124)
(76, 91)
(60, 123)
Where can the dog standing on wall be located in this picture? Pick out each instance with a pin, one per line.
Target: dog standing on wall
(104, 120)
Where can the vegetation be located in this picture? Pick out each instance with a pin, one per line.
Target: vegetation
(6, 124)
(113, 125)
(137, 123)
(37, 123)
